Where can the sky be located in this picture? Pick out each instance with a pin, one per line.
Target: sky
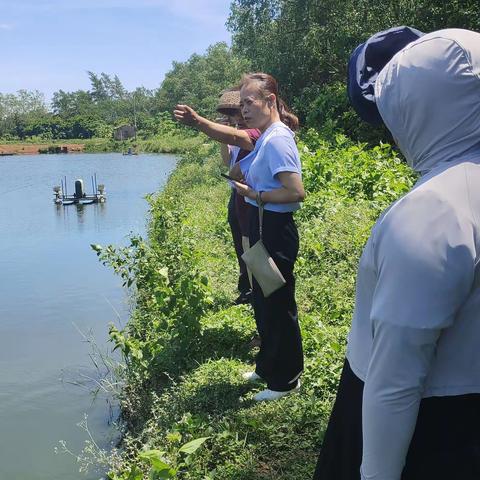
(49, 45)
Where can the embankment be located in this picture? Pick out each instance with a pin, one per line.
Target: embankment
(166, 143)
(35, 148)
(185, 345)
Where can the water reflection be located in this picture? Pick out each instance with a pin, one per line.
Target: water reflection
(80, 218)
(96, 212)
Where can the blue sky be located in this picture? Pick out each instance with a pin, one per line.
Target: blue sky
(50, 44)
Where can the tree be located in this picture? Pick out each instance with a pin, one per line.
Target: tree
(17, 110)
(67, 104)
(200, 80)
(306, 44)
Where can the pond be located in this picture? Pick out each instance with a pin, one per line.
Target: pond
(54, 293)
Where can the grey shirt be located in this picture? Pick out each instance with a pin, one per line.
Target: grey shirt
(416, 326)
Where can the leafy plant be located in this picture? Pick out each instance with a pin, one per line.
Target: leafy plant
(158, 468)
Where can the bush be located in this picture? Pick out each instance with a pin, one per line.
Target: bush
(330, 113)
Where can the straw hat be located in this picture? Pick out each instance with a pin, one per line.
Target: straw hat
(229, 102)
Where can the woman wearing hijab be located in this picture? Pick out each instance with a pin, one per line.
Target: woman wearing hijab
(408, 403)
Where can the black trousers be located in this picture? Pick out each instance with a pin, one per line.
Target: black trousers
(445, 444)
(280, 359)
(243, 281)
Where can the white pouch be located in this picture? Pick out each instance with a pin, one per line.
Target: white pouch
(262, 265)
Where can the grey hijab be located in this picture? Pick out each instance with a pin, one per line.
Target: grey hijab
(429, 98)
(416, 326)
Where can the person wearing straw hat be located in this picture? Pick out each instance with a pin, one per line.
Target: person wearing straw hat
(229, 106)
(408, 403)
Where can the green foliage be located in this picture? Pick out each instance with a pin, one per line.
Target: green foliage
(96, 112)
(80, 114)
(158, 468)
(21, 113)
(329, 111)
(174, 141)
(305, 45)
(105, 106)
(352, 171)
(200, 80)
(169, 303)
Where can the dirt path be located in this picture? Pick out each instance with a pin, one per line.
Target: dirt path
(33, 148)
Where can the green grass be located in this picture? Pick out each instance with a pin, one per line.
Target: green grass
(167, 143)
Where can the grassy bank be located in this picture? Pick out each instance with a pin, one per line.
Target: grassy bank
(186, 411)
(166, 143)
(172, 142)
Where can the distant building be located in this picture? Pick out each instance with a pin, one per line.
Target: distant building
(124, 132)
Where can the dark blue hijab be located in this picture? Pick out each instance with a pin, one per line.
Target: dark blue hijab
(365, 64)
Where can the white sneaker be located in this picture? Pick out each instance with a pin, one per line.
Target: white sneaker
(251, 377)
(270, 395)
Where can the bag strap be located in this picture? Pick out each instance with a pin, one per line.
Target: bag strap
(260, 221)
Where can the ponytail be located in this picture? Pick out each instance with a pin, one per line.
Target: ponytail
(286, 116)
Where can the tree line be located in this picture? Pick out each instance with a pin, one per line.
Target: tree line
(107, 103)
(305, 44)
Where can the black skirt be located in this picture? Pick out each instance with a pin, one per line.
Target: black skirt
(445, 444)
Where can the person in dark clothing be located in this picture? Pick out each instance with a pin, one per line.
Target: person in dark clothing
(238, 218)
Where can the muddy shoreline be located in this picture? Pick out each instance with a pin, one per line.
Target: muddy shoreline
(34, 148)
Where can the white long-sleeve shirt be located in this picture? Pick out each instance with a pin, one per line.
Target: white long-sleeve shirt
(416, 326)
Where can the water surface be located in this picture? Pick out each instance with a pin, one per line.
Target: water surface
(52, 287)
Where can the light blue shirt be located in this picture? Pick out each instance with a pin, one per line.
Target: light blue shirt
(274, 152)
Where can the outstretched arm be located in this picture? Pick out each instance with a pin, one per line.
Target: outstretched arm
(222, 133)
